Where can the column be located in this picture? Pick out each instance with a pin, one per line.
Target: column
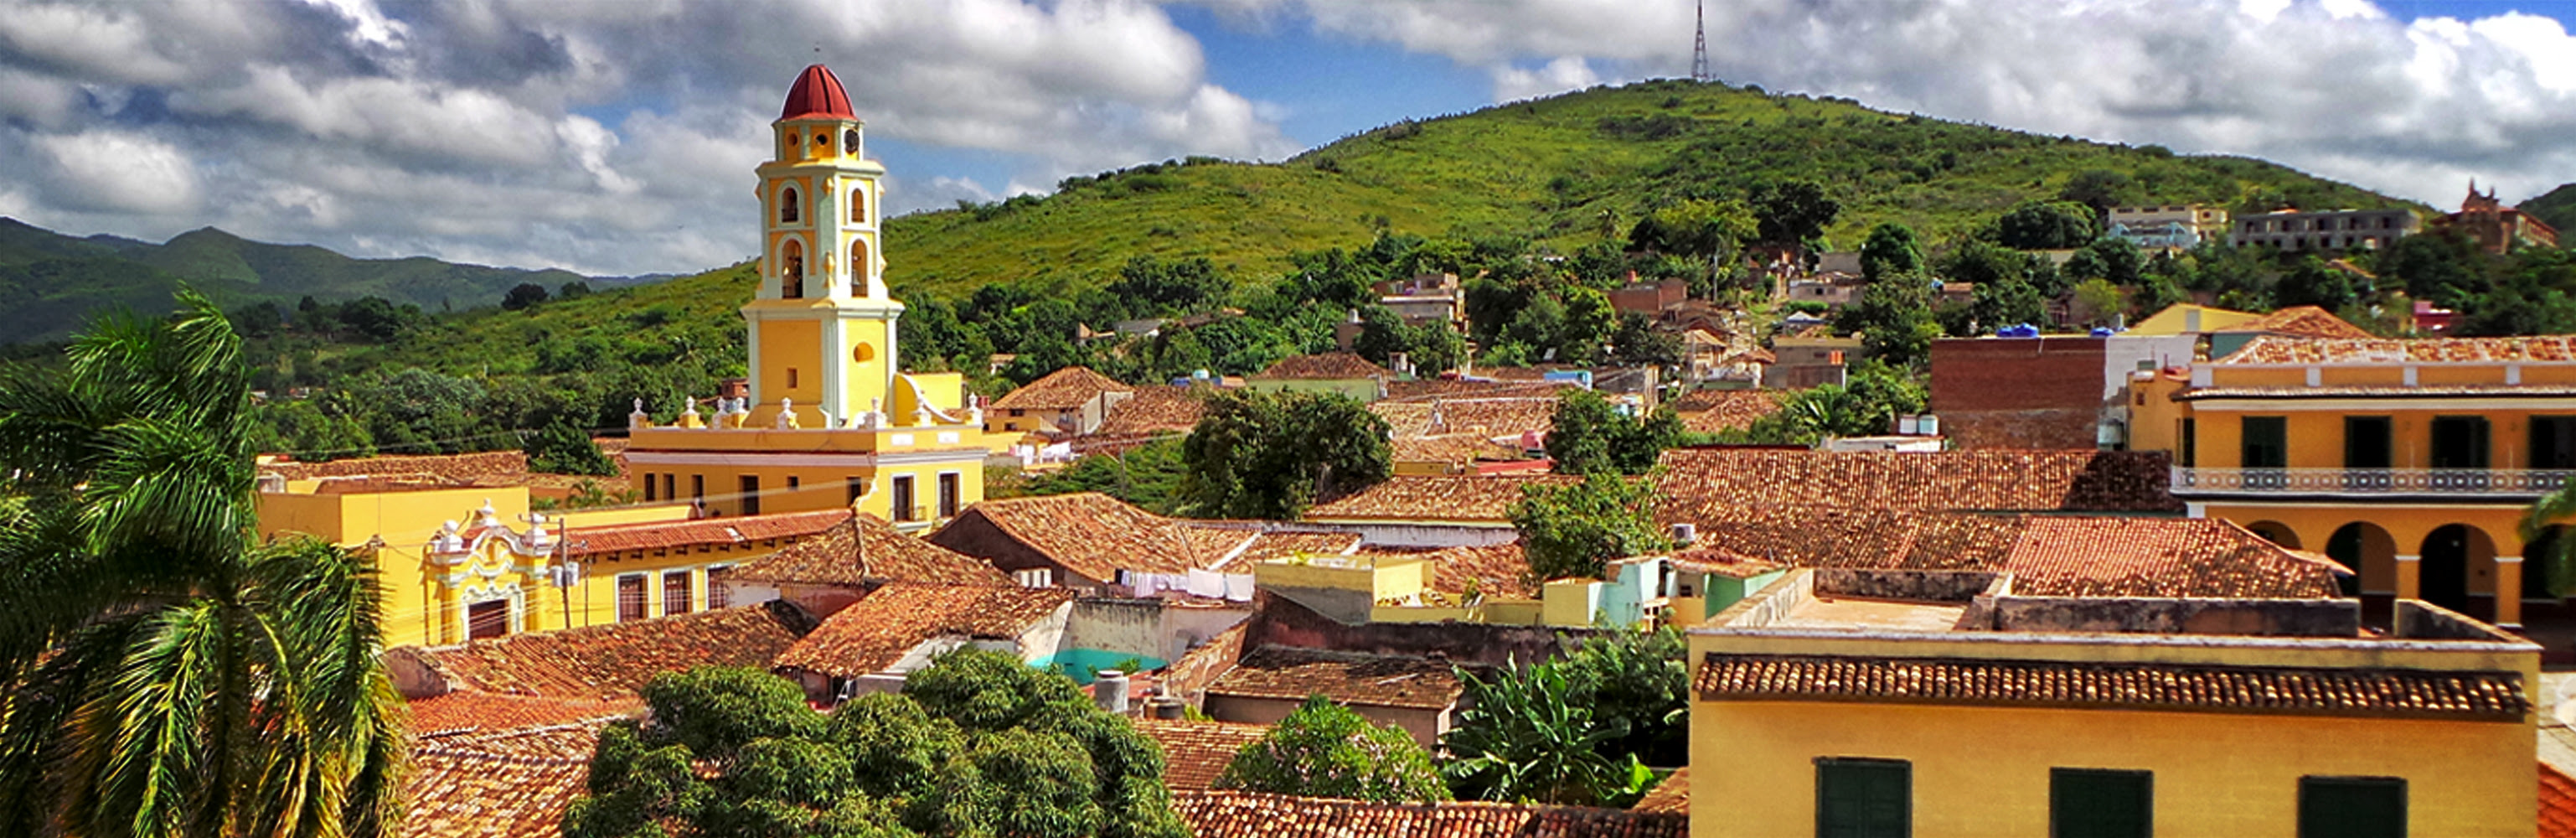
(2409, 573)
(2508, 591)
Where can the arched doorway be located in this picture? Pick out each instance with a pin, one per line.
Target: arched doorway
(859, 268)
(2442, 577)
(2370, 551)
(2276, 532)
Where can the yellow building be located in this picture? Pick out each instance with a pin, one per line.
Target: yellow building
(465, 563)
(2410, 461)
(1939, 703)
(830, 420)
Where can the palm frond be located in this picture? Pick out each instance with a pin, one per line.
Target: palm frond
(156, 775)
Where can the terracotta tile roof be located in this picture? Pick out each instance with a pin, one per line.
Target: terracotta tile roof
(1062, 389)
(1404, 419)
(1988, 480)
(1499, 570)
(2047, 555)
(586, 541)
(1154, 410)
(862, 549)
(1478, 499)
(1236, 814)
(2273, 349)
(1493, 417)
(1096, 535)
(612, 662)
(510, 785)
(1330, 365)
(467, 712)
(1293, 673)
(2438, 391)
(1429, 389)
(1280, 545)
(1725, 410)
(2470, 696)
(459, 467)
(1196, 753)
(1671, 797)
(1723, 561)
(2557, 803)
(1453, 449)
(876, 631)
(2302, 322)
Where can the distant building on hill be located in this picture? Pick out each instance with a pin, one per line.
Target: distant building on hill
(2181, 226)
(2293, 230)
(2497, 227)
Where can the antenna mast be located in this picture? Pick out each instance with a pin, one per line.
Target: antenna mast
(1699, 43)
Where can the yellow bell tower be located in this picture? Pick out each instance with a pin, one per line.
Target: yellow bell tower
(822, 327)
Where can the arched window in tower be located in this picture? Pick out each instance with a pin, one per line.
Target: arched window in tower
(859, 205)
(787, 206)
(791, 270)
(850, 141)
(859, 268)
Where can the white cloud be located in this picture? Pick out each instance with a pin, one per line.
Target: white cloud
(109, 170)
(1565, 73)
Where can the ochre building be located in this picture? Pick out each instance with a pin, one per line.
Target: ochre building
(830, 421)
(2410, 461)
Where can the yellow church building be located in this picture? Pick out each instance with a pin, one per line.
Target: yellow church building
(830, 421)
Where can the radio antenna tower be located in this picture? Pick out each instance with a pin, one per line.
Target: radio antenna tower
(1699, 44)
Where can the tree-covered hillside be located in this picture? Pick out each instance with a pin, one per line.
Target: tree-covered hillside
(1563, 171)
(50, 283)
(2557, 209)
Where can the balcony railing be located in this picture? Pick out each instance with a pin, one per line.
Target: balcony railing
(2453, 482)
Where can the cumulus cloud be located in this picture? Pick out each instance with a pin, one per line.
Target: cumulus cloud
(604, 137)
(2337, 87)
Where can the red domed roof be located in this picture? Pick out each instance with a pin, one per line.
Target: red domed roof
(817, 94)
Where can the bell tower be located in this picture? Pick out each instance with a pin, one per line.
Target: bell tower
(822, 328)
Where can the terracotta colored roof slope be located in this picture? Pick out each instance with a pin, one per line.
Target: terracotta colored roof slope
(1493, 417)
(2273, 349)
(2047, 555)
(1093, 534)
(1196, 753)
(1350, 677)
(1452, 449)
(2557, 804)
(464, 713)
(1433, 389)
(458, 467)
(863, 549)
(2303, 322)
(1498, 570)
(1062, 389)
(586, 541)
(1726, 410)
(878, 630)
(1981, 480)
(1237, 814)
(1461, 499)
(2466, 696)
(1154, 410)
(514, 784)
(612, 662)
(1330, 365)
(1671, 797)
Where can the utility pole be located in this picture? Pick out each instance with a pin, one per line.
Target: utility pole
(1699, 44)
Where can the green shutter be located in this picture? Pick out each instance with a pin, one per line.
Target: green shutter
(2352, 807)
(2089, 803)
(1864, 798)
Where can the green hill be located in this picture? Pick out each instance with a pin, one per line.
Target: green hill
(1561, 171)
(50, 283)
(2557, 209)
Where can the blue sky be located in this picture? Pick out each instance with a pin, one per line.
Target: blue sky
(618, 137)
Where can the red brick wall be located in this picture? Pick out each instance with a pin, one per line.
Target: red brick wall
(1984, 374)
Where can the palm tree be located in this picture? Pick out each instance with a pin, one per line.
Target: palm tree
(162, 672)
(2558, 551)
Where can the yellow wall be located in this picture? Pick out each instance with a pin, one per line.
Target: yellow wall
(1983, 771)
(820, 487)
(790, 345)
(433, 613)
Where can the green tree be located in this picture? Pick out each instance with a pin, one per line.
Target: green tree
(1324, 749)
(2097, 301)
(1270, 455)
(1148, 476)
(2047, 225)
(1894, 319)
(2314, 283)
(1634, 681)
(2541, 526)
(1868, 401)
(1638, 342)
(1892, 250)
(1529, 736)
(1588, 435)
(2007, 302)
(1573, 531)
(523, 295)
(166, 673)
(977, 744)
(1793, 212)
(564, 448)
(2097, 189)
